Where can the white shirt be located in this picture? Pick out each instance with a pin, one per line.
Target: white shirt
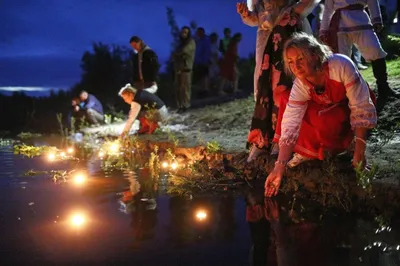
(341, 69)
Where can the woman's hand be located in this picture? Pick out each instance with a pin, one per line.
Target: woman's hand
(123, 135)
(359, 153)
(271, 210)
(242, 10)
(273, 181)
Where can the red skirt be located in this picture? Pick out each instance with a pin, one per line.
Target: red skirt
(322, 129)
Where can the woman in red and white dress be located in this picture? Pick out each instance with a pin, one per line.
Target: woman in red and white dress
(329, 105)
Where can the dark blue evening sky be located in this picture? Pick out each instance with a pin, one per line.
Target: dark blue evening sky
(42, 40)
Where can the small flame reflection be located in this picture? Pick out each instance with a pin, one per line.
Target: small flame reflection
(78, 219)
(201, 215)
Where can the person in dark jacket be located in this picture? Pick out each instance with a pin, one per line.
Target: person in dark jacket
(149, 108)
(145, 66)
(91, 107)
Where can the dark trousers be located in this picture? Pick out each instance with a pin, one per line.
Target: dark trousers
(94, 117)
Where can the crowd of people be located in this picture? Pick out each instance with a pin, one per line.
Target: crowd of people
(211, 61)
(310, 98)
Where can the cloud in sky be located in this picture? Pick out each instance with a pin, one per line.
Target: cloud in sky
(51, 36)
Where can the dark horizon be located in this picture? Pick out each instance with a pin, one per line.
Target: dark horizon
(44, 42)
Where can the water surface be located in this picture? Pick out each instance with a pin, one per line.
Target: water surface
(130, 219)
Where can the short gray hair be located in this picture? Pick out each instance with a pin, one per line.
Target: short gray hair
(309, 47)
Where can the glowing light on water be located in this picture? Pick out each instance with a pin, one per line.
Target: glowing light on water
(79, 178)
(201, 215)
(78, 219)
(114, 147)
(51, 157)
(174, 166)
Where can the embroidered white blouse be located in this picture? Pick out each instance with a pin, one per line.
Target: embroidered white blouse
(341, 69)
(351, 20)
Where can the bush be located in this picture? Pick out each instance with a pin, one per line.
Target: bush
(392, 46)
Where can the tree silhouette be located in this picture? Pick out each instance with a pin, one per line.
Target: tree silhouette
(174, 28)
(105, 70)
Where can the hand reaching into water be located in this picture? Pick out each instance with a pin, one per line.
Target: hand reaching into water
(273, 181)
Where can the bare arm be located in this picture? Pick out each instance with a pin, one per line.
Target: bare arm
(251, 19)
(248, 17)
(133, 113)
(362, 110)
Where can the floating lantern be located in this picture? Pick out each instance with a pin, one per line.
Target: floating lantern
(79, 178)
(114, 147)
(174, 166)
(51, 157)
(78, 219)
(201, 215)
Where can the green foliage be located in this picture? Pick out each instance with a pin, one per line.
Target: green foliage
(364, 176)
(107, 119)
(172, 138)
(154, 162)
(105, 68)
(392, 46)
(393, 69)
(170, 156)
(33, 151)
(214, 147)
(33, 172)
(28, 135)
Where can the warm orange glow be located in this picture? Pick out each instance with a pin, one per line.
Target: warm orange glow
(164, 164)
(201, 215)
(101, 154)
(51, 157)
(78, 219)
(62, 154)
(79, 178)
(174, 166)
(70, 150)
(114, 147)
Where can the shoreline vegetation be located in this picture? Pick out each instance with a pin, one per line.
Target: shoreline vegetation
(203, 150)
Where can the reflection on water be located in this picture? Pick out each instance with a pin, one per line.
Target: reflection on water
(337, 240)
(120, 217)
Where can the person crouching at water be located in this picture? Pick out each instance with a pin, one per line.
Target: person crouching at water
(330, 106)
(148, 107)
(91, 107)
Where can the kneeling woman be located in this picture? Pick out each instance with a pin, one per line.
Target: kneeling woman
(329, 105)
(149, 108)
